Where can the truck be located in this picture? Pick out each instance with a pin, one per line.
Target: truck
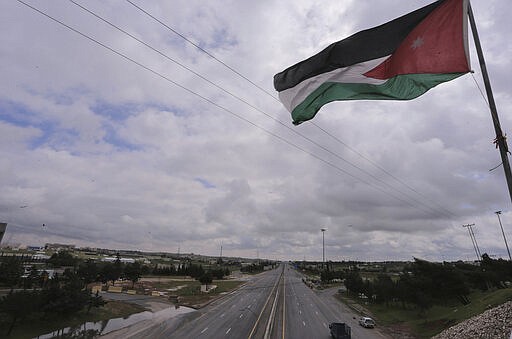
(339, 330)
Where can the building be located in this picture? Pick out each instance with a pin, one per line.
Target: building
(3, 227)
(60, 247)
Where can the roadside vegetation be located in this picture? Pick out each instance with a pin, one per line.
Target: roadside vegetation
(45, 295)
(423, 298)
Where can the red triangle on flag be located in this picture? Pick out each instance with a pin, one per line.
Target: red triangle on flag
(435, 45)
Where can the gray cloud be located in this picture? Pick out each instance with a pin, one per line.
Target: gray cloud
(107, 154)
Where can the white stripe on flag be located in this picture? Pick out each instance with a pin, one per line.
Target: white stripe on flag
(292, 97)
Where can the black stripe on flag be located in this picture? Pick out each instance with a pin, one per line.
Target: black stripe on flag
(365, 45)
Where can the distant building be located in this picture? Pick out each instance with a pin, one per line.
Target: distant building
(60, 247)
(40, 256)
(123, 260)
(3, 227)
(35, 248)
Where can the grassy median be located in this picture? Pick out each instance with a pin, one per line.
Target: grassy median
(190, 291)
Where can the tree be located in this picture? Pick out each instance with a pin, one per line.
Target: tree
(95, 301)
(384, 289)
(19, 305)
(206, 279)
(64, 296)
(88, 271)
(133, 272)
(11, 271)
(33, 278)
(354, 282)
(110, 272)
(117, 269)
(62, 258)
(218, 273)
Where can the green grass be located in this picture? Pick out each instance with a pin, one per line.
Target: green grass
(191, 294)
(437, 318)
(30, 328)
(226, 285)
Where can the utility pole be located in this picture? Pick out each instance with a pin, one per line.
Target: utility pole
(473, 240)
(502, 232)
(500, 140)
(323, 247)
(3, 227)
(476, 244)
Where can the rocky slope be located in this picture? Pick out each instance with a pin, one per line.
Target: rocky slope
(495, 323)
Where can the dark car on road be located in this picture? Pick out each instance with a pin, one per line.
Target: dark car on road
(340, 330)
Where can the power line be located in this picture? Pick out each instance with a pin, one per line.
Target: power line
(200, 48)
(314, 124)
(382, 169)
(217, 105)
(256, 108)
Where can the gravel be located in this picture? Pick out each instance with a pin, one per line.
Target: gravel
(495, 323)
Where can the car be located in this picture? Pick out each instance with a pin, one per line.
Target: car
(367, 322)
(340, 331)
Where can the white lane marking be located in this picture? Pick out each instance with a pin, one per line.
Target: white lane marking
(316, 312)
(222, 315)
(325, 325)
(204, 330)
(303, 323)
(300, 312)
(229, 329)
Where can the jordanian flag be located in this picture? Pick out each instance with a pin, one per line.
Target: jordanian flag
(399, 60)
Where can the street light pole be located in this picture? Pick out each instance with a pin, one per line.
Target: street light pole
(502, 232)
(323, 247)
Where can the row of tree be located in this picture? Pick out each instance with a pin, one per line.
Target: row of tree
(12, 270)
(188, 269)
(425, 284)
(256, 267)
(43, 296)
(59, 297)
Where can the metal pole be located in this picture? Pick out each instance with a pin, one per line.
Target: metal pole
(500, 139)
(323, 247)
(502, 232)
(476, 244)
(472, 240)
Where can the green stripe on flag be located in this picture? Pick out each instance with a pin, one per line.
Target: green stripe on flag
(402, 87)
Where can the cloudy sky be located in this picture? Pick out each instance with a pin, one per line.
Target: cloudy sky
(135, 138)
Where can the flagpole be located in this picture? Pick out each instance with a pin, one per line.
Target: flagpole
(500, 139)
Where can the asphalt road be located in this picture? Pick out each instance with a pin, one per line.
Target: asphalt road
(232, 316)
(309, 313)
(299, 312)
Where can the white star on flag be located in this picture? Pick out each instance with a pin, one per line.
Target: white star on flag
(417, 43)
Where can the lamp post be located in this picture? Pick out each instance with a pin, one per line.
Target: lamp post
(323, 247)
(502, 232)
